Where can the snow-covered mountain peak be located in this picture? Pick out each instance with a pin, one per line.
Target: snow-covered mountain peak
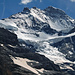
(38, 29)
(36, 10)
(49, 20)
(54, 10)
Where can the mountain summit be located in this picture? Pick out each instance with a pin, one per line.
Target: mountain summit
(49, 32)
(53, 10)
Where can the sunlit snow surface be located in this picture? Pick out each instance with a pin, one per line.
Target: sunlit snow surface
(23, 62)
(18, 22)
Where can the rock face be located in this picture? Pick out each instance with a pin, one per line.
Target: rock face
(9, 46)
(43, 36)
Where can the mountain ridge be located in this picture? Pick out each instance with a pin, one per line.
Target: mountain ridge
(45, 32)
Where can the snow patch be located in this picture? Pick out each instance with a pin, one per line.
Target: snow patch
(23, 63)
(2, 45)
(70, 52)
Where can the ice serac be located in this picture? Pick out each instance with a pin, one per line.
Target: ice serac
(42, 31)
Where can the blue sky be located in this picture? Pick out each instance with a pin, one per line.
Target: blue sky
(9, 7)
